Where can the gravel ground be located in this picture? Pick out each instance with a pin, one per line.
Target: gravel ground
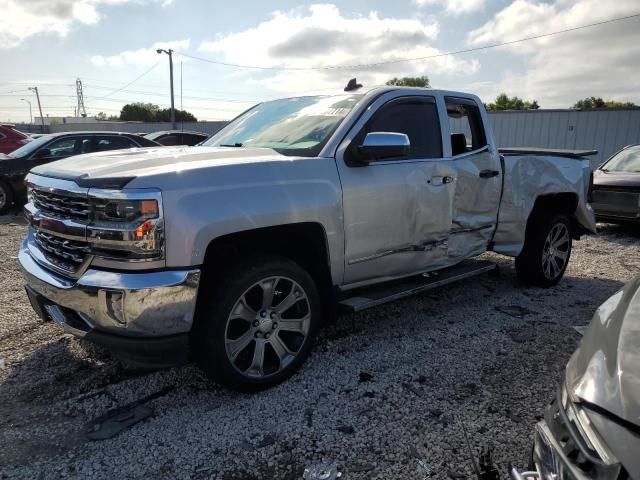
(388, 393)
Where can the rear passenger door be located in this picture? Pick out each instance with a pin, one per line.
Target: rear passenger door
(397, 213)
(478, 179)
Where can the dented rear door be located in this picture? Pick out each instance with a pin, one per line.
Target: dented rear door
(479, 177)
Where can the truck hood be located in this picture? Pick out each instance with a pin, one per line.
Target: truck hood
(138, 162)
(605, 370)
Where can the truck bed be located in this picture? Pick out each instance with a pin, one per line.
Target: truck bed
(557, 152)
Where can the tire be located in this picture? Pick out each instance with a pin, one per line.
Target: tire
(6, 198)
(547, 250)
(237, 326)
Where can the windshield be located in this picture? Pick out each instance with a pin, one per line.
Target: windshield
(292, 126)
(628, 160)
(30, 147)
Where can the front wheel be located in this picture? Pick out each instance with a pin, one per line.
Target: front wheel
(6, 197)
(546, 252)
(256, 323)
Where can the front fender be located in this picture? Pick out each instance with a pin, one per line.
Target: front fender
(206, 205)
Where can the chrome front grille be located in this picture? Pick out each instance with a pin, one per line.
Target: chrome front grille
(60, 205)
(67, 255)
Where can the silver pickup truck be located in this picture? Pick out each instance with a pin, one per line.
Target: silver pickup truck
(233, 253)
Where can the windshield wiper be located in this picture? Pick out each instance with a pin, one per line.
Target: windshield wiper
(237, 145)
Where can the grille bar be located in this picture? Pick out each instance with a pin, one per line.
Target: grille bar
(60, 205)
(69, 255)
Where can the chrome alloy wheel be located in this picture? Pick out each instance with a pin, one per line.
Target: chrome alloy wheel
(555, 252)
(267, 327)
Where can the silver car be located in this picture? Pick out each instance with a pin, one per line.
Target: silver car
(592, 429)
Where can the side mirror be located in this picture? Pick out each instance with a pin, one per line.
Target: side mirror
(384, 146)
(42, 153)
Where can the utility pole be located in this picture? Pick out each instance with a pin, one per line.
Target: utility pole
(173, 110)
(30, 114)
(35, 89)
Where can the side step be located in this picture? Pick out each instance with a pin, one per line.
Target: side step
(368, 297)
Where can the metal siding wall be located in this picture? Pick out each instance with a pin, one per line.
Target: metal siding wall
(604, 130)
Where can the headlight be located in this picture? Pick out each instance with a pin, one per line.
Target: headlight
(124, 211)
(126, 225)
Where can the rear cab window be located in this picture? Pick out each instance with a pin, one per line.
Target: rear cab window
(466, 129)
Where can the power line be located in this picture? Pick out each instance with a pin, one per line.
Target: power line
(415, 59)
(132, 81)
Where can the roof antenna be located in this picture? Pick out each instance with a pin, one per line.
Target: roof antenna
(352, 85)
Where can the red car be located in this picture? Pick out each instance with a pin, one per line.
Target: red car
(10, 138)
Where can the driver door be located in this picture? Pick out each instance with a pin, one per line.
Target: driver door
(58, 149)
(397, 213)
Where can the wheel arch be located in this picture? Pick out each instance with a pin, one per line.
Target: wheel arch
(305, 243)
(562, 202)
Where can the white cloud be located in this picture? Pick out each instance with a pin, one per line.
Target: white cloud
(322, 36)
(453, 7)
(560, 69)
(21, 19)
(141, 56)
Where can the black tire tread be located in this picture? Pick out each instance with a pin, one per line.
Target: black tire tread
(218, 293)
(529, 262)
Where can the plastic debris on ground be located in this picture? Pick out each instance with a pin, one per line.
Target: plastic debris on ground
(322, 471)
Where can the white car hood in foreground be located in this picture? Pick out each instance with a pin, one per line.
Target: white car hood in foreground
(605, 370)
(138, 162)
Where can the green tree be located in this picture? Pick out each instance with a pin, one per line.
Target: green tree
(598, 102)
(164, 115)
(101, 116)
(139, 112)
(505, 102)
(149, 112)
(422, 81)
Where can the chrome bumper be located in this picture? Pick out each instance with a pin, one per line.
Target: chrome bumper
(150, 304)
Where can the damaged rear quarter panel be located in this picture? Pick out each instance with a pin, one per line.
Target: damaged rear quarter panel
(529, 177)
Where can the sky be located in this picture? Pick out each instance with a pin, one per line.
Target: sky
(297, 48)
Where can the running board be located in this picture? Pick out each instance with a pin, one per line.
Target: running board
(368, 297)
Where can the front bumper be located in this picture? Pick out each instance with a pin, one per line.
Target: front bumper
(137, 314)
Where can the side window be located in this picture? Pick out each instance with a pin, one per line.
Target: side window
(415, 117)
(465, 124)
(64, 147)
(169, 140)
(112, 143)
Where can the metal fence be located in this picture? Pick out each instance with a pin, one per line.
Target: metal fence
(605, 130)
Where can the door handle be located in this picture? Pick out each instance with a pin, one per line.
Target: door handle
(489, 173)
(439, 181)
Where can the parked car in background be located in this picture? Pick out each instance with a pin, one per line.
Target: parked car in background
(236, 251)
(591, 430)
(177, 137)
(49, 148)
(616, 187)
(10, 138)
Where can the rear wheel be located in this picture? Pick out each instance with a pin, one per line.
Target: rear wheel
(547, 249)
(6, 197)
(256, 323)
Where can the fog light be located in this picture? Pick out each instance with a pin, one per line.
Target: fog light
(115, 307)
